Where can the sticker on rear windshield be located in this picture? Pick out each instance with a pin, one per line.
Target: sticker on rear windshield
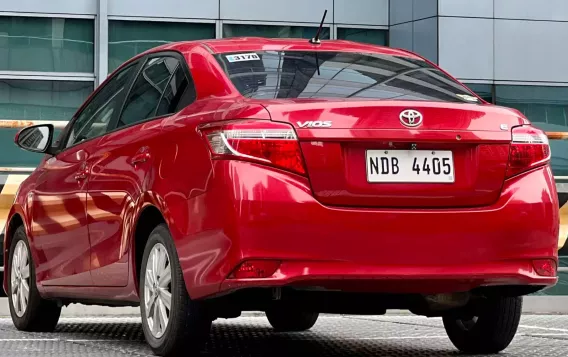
(243, 57)
(467, 97)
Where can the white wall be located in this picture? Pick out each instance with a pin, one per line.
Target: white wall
(466, 8)
(414, 26)
(552, 10)
(531, 50)
(356, 12)
(362, 12)
(425, 38)
(75, 7)
(193, 9)
(288, 10)
(466, 47)
(401, 11)
(504, 40)
(422, 9)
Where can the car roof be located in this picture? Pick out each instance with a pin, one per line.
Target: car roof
(245, 44)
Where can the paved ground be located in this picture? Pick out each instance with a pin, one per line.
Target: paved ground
(539, 335)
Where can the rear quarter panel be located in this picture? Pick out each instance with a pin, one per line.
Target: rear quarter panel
(184, 172)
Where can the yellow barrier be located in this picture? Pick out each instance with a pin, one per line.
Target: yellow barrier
(18, 124)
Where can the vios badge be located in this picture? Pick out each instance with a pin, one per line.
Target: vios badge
(411, 118)
(314, 124)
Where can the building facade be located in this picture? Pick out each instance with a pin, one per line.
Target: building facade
(54, 53)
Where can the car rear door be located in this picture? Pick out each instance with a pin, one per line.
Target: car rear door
(122, 164)
(59, 199)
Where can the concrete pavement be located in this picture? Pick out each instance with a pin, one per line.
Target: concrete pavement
(532, 305)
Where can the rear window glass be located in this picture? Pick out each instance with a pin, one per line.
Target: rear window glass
(308, 74)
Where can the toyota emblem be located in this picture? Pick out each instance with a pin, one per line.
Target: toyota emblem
(411, 118)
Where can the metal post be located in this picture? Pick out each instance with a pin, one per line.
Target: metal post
(101, 42)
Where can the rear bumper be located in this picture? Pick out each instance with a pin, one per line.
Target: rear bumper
(336, 276)
(251, 212)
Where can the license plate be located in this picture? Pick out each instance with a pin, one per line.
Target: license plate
(412, 166)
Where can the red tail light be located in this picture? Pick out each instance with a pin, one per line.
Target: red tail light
(545, 267)
(255, 269)
(261, 141)
(529, 149)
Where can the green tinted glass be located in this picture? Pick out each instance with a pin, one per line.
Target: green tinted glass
(129, 38)
(13, 156)
(270, 31)
(485, 91)
(36, 100)
(41, 100)
(374, 37)
(546, 108)
(46, 44)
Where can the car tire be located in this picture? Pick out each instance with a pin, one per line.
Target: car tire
(489, 333)
(188, 324)
(291, 320)
(36, 314)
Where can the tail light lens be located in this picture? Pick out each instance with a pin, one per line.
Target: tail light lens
(262, 141)
(545, 267)
(529, 149)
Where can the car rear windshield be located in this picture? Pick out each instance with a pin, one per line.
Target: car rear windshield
(309, 74)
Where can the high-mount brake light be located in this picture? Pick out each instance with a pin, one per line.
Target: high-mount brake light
(262, 141)
(529, 149)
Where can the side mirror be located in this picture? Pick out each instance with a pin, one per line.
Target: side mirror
(35, 138)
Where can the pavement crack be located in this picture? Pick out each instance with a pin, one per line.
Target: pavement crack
(394, 322)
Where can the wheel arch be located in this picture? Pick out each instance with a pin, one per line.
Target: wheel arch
(149, 217)
(16, 219)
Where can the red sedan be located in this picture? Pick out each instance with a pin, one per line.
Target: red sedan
(203, 179)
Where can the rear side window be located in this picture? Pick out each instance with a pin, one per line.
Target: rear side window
(157, 90)
(179, 92)
(309, 74)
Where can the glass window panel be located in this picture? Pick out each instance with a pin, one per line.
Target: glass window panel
(272, 31)
(546, 108)
(129, 38)
(46, 44)
(485, 91)
(179, 93)
(41, 100)
(325, 74)
(95, 118)
(372, 36)
(147, 91)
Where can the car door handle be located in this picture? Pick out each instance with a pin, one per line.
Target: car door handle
(142, 156)
(82, 173)
(80, 176)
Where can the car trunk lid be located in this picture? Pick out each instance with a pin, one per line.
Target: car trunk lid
(359, 153)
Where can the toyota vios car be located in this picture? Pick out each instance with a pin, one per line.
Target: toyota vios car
(203, 179)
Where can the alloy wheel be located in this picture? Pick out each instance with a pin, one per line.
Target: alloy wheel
(158, 290)
(20, 279)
